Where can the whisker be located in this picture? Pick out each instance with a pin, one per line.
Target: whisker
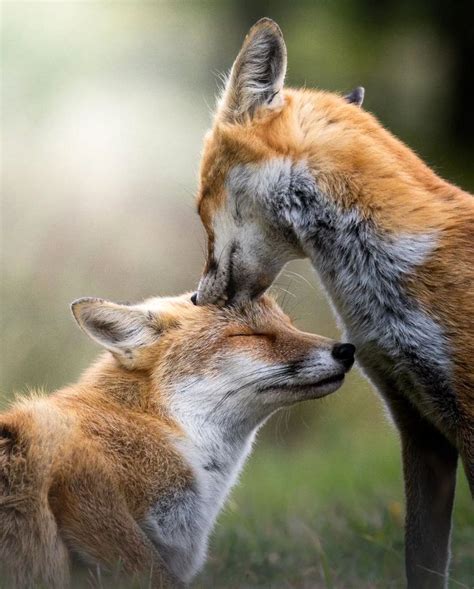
(284, 290)
(262, 374)
(301, 277)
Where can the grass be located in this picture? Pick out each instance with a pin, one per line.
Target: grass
(318, 519)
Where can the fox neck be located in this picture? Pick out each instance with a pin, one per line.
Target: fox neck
(216, 449)
(365, 269)
(211, 428)
(364, 266)
(129, 388)
(220, 433)
(216, 452)
(359, 164)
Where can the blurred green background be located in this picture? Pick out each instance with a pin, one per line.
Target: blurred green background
(104, 105)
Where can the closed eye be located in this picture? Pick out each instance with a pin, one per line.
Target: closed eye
(249, 335)
(262, 337)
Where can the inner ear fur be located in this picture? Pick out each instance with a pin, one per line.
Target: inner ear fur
(122, 329)
(257, 75)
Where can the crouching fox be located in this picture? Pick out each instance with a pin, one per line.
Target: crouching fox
(133, 463)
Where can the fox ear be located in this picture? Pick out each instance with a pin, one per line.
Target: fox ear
(123, 330)
(257, 76)
(356, 96)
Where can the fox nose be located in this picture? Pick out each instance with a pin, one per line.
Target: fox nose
(194, 298)
(344, 353)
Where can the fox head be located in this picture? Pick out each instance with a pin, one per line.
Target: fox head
(240, 362)
(266, 146)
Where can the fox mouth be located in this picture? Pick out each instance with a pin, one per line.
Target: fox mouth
(337, 378)
(231, 292)
(321, 387)
(330, 380)
(208, 292)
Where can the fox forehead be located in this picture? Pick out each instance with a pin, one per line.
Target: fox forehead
(180, 311)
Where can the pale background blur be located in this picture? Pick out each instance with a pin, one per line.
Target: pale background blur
(104, 106)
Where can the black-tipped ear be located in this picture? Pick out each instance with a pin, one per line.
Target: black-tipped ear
(121, 329)
(257, 76)
(356, 96)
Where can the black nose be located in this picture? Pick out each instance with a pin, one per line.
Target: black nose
(345, 354)
(194, 298)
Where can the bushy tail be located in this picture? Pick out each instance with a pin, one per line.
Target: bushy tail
(31, 552)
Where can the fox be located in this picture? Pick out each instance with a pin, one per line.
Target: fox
(304, 173)
(133, 463)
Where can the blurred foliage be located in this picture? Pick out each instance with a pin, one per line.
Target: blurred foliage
(104, 106)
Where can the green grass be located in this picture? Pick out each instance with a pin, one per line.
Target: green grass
(297, 522)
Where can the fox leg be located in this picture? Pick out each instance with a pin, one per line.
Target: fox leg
(32, 553)
(466, 450)
(98, 526)
(429, 468)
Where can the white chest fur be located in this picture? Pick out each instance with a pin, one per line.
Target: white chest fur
(179, 523)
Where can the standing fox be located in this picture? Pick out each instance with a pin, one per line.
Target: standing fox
(134, 462)
(301, 173)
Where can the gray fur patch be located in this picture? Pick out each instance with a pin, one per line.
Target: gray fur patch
(175, 526)
(363, 271)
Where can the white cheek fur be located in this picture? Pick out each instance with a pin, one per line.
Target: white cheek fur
(225, 231)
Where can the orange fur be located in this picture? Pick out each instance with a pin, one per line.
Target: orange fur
(81, 468)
